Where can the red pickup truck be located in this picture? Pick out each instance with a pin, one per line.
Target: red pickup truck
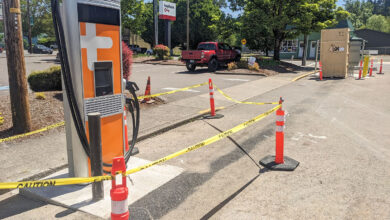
(209, 54)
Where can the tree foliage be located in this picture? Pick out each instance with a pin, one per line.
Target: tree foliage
(266, 20)
(133, 15)
(40, 17)
(378, 23)
(359, 12)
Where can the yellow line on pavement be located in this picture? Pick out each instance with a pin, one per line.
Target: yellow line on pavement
(302, 76)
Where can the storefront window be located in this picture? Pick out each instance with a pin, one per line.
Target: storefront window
(289, 46)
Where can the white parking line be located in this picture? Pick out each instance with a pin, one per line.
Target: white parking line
(189, 90)
(241, 80)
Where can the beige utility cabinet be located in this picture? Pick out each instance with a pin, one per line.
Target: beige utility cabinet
(335, 52)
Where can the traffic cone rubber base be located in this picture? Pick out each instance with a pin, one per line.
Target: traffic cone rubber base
(216, 116)
(288, 165)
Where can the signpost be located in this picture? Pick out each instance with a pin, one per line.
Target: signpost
(243, 41)
(167, 13)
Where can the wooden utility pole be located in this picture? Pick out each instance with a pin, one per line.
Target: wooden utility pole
(188, 24)
(16, 67)
(29, 27)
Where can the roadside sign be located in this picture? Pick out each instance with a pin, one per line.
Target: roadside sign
(243, 41)
(167, 11)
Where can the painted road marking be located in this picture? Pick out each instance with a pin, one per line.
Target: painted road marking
(4, 88)
(189, 90)
(241, 80)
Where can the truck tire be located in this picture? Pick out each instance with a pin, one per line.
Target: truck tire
(190, 66)
(213, 65)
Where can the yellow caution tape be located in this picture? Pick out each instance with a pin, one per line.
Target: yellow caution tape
(206, 142)
(32, 132)
(71, 181)
(171, 92)
(241, 102)
(1, 120)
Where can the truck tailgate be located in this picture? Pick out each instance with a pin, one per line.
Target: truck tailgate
(191, 55)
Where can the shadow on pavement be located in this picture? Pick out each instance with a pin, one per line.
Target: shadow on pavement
(169, 196)
(16, 205)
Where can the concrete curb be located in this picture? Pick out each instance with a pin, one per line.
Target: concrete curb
(167, 64)
(238, 74)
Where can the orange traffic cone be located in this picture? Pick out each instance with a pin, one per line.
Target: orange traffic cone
(147, 90)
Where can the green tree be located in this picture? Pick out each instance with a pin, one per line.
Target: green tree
(134, 15)
(315, 15)
(378, 23)
(359, 12)
(40, 17)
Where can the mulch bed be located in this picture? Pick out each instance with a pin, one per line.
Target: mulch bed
(43, 112)
(269, 70)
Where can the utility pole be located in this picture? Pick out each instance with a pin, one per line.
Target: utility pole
(16, 67)
(29, 27)
(155, 11)
(188, 24)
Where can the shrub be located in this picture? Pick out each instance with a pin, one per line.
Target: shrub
(242, 65)
(161, 51)
(232, 66)
(255, 67)
(47, 41)
(127, 61)
(40, 96)
(46, 80)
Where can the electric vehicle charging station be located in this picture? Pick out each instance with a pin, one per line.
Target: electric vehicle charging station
(89, 38)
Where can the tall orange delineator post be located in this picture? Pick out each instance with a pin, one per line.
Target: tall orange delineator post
(360, 69)
(279, 161)
(119, 193)
(380, 70)
(320, 71)
(212, 114)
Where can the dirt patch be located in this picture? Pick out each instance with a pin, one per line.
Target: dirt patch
(44, 112)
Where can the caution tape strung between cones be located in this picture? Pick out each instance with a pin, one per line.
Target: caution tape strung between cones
(241, 102)
(71, 181)
(171, 92)
(206, 142)
(33, 132)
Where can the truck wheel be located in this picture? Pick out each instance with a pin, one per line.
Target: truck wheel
(190, 66)
(213, 65)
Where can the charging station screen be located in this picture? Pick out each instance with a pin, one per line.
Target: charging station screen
(103, 79)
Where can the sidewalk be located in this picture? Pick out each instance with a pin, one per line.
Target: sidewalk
(36, 157)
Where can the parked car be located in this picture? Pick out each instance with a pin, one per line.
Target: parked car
(149, 52)
(42, 49)
(135, 48)
(54, 46)
(211, 54)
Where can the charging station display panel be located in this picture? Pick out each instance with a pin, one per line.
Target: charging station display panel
(100, 43)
